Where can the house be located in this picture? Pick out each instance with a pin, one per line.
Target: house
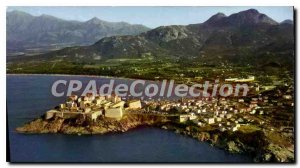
(253, 112)
(223, 102)
(222, 129)
(228, 116)
(252, 105)
(101, 97)
(236, 127)
(163, 107)
(73, 97)
(90, 96)
(114, 98)
(106, 104)
(242, 110)
(118, 104)
(116, 113)
(67, 115)
(200, 124)
(71, 104)
(74, 109)
(183, 117)
(254, 99)
(249, 79)
(261, 112)
(231, 79)
(62, 106)
(108, 97)
(134, 104)
(253, 102)
(192, 116)
(288, 97)
(210, 120)
(98, 101)
(241, 100)
(219, 119)
(93, 115)
(87, 109)
(240, 120)
(50, 114)
(198, 111)
(269, 87)
(83, 104)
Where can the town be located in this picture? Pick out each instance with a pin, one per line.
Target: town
(223, 113)
(261, 123)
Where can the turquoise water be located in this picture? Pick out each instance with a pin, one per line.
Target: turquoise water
(30, 96)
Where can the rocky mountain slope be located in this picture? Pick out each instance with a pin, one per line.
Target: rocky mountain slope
(247, 37)
(25, 31)
(244, 37)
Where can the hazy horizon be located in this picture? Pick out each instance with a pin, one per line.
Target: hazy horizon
(148, 15)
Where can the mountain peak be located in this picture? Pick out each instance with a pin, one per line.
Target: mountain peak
(219, 15)
(247, 17)
(250, 17)
(18, 13)
(287, 21)
(250, 11)
(94, 20)
(45, 16)
(215, 18)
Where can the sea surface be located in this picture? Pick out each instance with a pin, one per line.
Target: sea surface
(29, 96)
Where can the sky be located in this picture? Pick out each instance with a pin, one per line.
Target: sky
(151, 16)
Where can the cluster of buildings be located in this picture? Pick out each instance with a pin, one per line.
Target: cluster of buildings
(249, 79)
(208, 111)
(224, 113)
(92, 106)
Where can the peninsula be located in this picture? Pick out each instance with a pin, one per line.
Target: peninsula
(239, 125)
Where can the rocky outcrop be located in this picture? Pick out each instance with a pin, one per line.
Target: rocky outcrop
(278, 153)
(255, 144)
(42, 126)
(78, 126)
(233, 147)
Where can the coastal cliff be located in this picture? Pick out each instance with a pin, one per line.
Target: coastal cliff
(255, 143)
(82, 126)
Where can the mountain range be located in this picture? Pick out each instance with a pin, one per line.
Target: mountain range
(247, 37)
(25, 31)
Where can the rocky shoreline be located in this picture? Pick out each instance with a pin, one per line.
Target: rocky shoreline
(255, 143)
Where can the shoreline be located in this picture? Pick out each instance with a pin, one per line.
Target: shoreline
(76, 75)
(159, 127)
(93, 76)
(254, 141)
(232, 143)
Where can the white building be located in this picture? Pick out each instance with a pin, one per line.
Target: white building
(135, 104)
(183, 118)
(210, 120)
(93, 115)
(116, 113)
